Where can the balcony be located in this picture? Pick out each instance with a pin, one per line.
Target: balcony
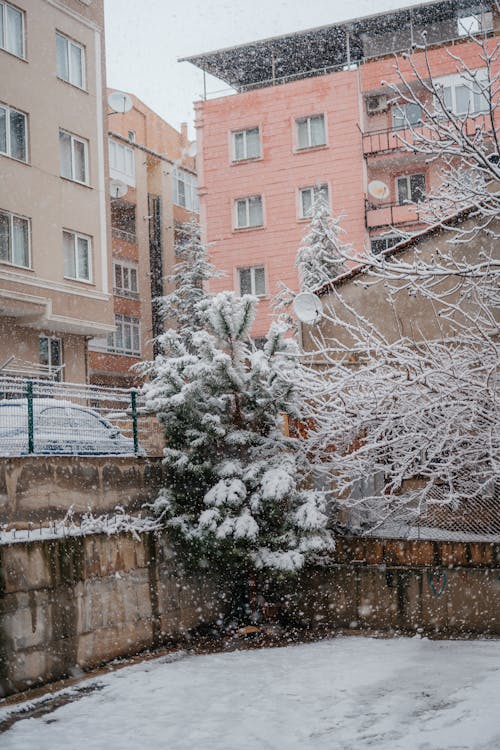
(120, 234)
(391, 214)
(389, 140)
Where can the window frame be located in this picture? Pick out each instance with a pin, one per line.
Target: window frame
(77, 236)
(405, 122)
(8, 109)
(246, 200)
(126, 175)
(190, 189)
(453, 81)
(3, 10)
(244, 131)
(123, 291)
(135, 325)
(307, 119)
(384, 238)
(252, 270)
(11, 216)
(408, 177)
(76, 139)
(50, 365)
(317, 187)
(83, 50)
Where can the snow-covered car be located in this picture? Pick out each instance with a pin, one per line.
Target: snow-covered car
(59, 427)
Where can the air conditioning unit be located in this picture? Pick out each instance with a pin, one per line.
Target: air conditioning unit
(375, 104)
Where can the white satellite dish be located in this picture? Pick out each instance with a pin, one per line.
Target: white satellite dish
(117, 188)
(378, 190)
(308, 308)
(192, 149)
(120, 102)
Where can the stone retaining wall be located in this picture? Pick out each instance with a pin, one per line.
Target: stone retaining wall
(74, 603)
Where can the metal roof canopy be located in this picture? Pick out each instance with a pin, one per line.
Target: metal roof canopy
(312, 52)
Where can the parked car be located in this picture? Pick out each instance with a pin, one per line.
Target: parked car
(59, 427)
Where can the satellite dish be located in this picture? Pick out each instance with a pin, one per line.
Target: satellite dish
(308, 308)
(117, 188)
(192, 149)
(120, 102)
(378, 190)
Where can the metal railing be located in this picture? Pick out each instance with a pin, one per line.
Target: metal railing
(46, 417)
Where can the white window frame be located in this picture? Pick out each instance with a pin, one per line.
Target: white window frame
(126, 291)
(313, 189)
(407, 178)
(246, 201)
(120, 152)
(85, 143)
(8, 138)
(58, 369)
(456, 80)
(79, 236)
(11, 216)
(71, 78)
(4, 13)
(307, 119)
(399, 112)
(252, 270)
(134, 325)
(188, 197)
(244, 132)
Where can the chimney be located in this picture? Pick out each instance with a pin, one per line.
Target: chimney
(184, 134)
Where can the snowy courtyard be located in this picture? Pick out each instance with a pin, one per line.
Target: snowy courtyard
(347, 693)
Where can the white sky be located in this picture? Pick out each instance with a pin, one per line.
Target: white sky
(144, 39)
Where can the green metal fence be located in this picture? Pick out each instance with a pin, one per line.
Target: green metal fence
(45, 417)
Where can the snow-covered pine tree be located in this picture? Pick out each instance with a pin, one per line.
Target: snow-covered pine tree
(234, 493)
(190, 274)
(321, 255)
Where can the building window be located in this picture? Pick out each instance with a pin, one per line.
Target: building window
(311, 131)
(50, 354)
(185, 190)
(13, 133)
(309, 196)
(246, 144)
(410, 188)
(131, 136)
(468, 25)
(405, 115)
(123, 220)
(70, 60)
(121, 162)
(252, 281)
(379, 244)
(127, 337)
(77, 256)
(249, 212)
(73, 152)
(463, 96)
(14, 239)
(125, 279)
(11, 29)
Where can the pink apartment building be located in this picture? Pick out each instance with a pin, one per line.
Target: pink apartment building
(309, 109)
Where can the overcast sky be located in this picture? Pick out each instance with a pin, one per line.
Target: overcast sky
(144, 39)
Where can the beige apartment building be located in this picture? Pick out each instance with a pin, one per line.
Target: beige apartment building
(153, 190)
(55, 267)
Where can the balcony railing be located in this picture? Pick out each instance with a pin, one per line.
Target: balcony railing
(391, 214)
(402, 139)
(120, 234)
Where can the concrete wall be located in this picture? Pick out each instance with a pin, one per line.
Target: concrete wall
(74, 603)
(446, 588)
(40, 489)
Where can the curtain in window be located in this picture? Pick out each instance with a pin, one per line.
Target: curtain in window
(76, 65)
(69, 255)
(245, 281)
(3, 127)
(306, 196)
(239, 146)
(260, 281)
(253, 143)
(62, 63)
(302, 134)
(14, 35)
(79, 156)
(83, 258)
(65, 154)
(318, 131)
(4, 237)
(20, 242)
(17, 135)
(255, 211)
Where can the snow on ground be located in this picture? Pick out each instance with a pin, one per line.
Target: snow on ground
(348, 693)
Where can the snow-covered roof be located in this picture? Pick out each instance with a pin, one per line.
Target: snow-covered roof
(322, 49)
